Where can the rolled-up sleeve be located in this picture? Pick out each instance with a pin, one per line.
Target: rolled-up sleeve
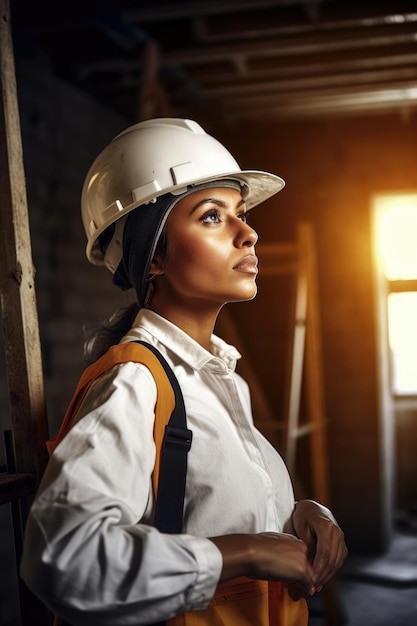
(90, 551)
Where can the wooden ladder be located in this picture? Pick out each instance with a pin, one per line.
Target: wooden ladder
(305, 356)
(26, 454)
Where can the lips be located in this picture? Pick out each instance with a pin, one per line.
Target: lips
(248, 264)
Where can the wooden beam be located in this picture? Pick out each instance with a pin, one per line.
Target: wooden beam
(26, 450)
(17, 281)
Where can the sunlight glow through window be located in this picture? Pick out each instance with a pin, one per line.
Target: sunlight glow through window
(397, 247)
(398, 237)
(402, 318)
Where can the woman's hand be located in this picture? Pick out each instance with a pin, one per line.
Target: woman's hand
(316, 526)
(308, 562)
(267, 556)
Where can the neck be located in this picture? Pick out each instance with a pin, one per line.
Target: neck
(198, 322)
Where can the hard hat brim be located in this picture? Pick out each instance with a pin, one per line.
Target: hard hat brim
(257, 186)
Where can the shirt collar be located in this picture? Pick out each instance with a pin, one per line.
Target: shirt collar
(177, 341)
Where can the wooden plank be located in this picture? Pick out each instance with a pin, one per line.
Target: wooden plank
(17, 287)
(314, 368)
(296, 364)
(27, 454)
(153, 101)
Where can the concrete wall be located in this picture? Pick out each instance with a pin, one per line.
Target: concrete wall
(62, 132)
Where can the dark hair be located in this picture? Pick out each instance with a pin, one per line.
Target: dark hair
(109, 332)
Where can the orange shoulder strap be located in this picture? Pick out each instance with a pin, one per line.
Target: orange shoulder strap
(122, 353)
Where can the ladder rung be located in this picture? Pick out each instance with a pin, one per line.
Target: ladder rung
(15, 486)
(301, 431)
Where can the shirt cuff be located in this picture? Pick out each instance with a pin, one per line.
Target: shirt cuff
(210, 564)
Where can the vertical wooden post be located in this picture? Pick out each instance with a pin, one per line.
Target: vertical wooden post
(152, 100)
(314, 368)
(17, 288)
(26, 454)
(296, 364)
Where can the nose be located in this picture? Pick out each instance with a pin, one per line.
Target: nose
(246, 236)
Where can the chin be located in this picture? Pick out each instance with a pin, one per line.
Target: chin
(247, 297)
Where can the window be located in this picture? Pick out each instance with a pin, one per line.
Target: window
(396, 233)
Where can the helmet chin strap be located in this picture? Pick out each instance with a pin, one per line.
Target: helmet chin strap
(149, 293)
(114, 251)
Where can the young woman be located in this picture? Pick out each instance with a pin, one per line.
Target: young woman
(165, 209)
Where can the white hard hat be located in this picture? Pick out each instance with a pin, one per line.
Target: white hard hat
(155, 157)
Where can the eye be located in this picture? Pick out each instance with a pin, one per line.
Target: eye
(244, 216)
(211, 217)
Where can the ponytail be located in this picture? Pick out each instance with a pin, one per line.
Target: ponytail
(109, 332)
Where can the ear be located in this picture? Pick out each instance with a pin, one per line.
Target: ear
(157, 266)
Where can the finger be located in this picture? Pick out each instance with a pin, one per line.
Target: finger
(297, 591)
(329, 540)
(340, 559)
(328, 565)
(322, 563)
(324, 566)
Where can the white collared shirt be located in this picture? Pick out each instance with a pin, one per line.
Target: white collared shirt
(90, 552)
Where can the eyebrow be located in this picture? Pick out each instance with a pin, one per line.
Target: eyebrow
(219, 203)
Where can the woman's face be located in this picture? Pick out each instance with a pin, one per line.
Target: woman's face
(211, 256)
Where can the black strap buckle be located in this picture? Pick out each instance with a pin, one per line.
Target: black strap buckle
(178, 437)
